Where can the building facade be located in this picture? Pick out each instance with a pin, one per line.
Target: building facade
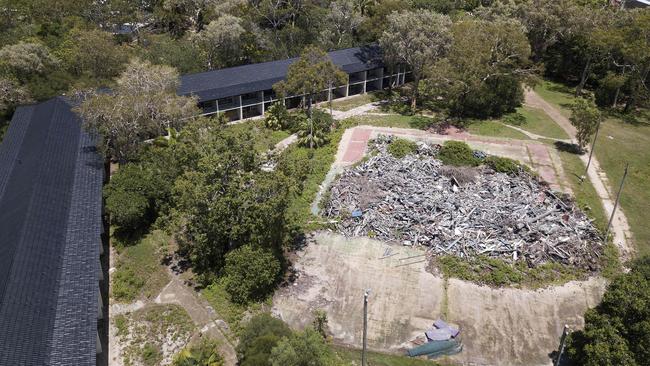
(247, 91)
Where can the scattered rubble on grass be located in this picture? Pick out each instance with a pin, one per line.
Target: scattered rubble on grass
(461, 211)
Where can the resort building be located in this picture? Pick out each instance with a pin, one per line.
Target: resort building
(53, 279)
(247, 91)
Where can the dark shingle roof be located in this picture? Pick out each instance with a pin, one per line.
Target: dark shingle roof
(244, 79)
(50, 226)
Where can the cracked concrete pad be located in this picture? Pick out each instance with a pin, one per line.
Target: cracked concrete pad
(334, 271)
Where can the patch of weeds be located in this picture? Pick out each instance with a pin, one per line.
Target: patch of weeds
(121, 323)
(422, 122)
(495, 272)
(399, 148)
(503, 165)
(514, 119)
(457, 153)
(150, 355)
(145, 331)
(138, 269)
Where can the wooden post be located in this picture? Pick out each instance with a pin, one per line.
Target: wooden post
(618, 197)
(365, 327)
(591, 153)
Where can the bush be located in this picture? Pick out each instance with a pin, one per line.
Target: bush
(399, 148)
(422, 122)
(277, 117)
(514, 119)
(250, 273)
(458, 153)
(262, 333)
(502, 165)
(304, 348)
(617, 331)
(130, 197)
(202, 354)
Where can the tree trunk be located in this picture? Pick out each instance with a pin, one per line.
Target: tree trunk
(309, 106)
(415, 94)
(583, 77)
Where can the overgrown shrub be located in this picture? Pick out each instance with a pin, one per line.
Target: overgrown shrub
(261, 334)
(399, 148)
(250, 274)
(202, 354)
(617, 331)
(129, 197)
(457, 153)
(502, 165)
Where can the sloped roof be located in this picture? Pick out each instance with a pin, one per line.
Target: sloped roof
(50, 227)
(244, 79)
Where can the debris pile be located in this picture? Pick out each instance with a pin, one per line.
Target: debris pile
(417, 201)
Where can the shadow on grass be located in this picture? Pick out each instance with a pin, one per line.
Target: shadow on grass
(128, 237)
(568, 147)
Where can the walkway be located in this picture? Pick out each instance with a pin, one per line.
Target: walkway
(620, 227)
(201, 313)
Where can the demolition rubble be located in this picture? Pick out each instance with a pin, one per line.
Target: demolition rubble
(465, 212)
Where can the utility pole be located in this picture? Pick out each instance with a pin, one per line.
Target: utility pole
(591, 152)
(618, 197)
(565, 333)
(365, 327)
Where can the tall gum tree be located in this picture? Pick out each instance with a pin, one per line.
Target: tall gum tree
(416, 39)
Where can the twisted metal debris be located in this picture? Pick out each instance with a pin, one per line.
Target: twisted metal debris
(418, 201)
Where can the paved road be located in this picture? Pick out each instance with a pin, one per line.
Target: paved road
(620, 227)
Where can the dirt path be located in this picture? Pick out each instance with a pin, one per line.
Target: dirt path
(201, 313)
(620, 227)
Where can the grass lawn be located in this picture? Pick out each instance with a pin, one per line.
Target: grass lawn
(139, 273)
(352, 356)
(392, 120)
(557, 94)
(265, 138)
(628, 143)
(494, 129)
(351, 102)
(539, 123)
(618, 142)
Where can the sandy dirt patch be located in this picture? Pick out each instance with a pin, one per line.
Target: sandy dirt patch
(499, 326)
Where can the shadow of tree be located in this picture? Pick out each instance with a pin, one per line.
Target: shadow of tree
(568, 147)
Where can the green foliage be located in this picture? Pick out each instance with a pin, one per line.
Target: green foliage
(399, 148)
(497, 272)
(320, 322)
(138, 269)
(259, 337)
(250, 273)
(312, 73)
(585, 117)
(277, 117)
(457, 153)
(617, 331)
(225, 201)
(514, 119)
(422, 122)
(130, 197)
(203, 354)
(503, 165)
(302, 349)
(312, 132)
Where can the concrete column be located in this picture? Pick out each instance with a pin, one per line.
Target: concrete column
(216, 103)
(262, 98)
(241, 108)
(365, 81)
(347, 89)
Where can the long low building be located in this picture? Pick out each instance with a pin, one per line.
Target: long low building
(247, 91)
(52, 236)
